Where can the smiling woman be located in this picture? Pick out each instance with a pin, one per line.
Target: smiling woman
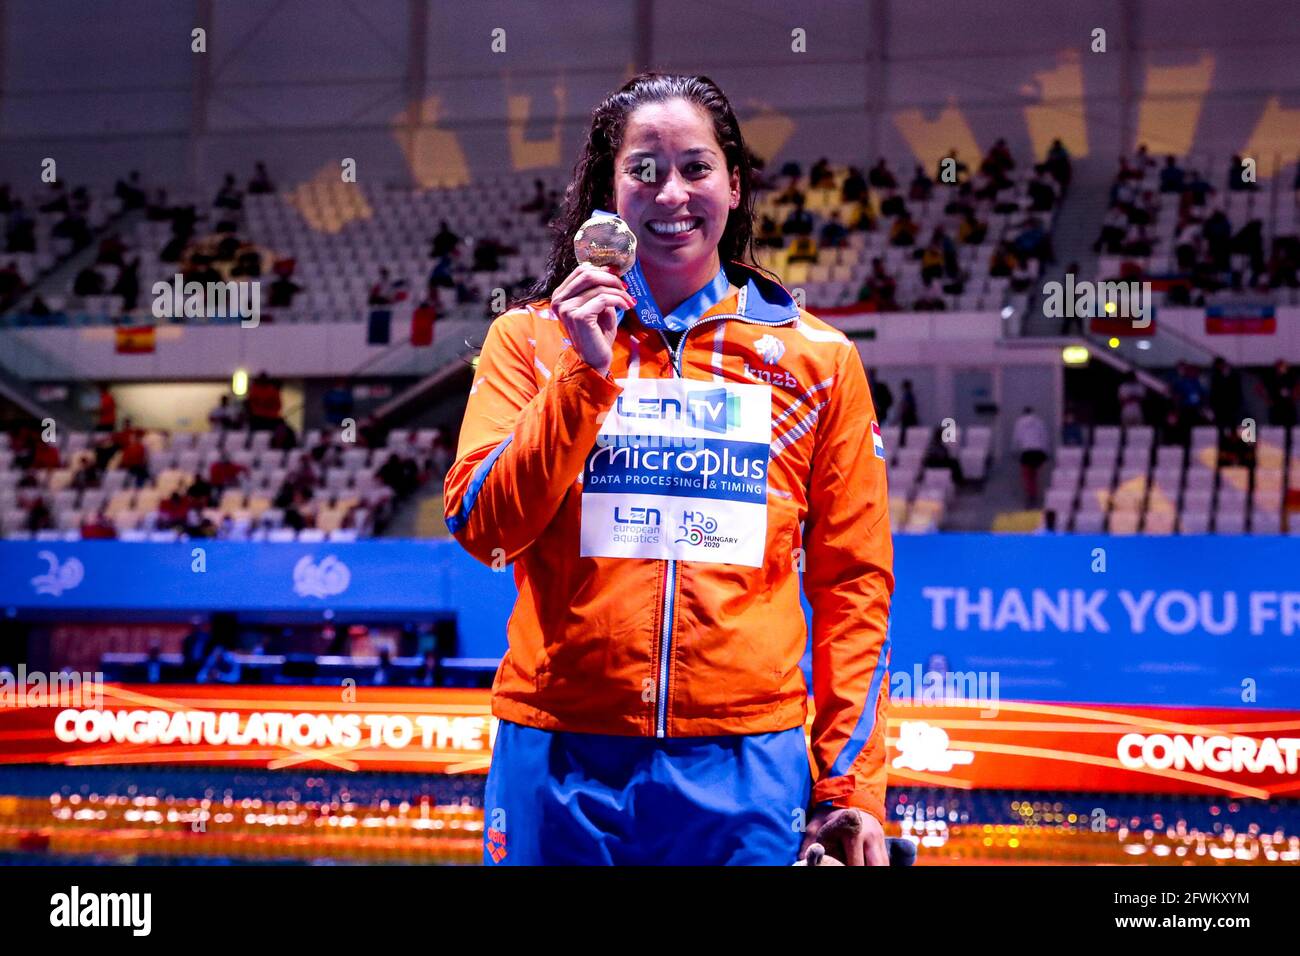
(651, 704)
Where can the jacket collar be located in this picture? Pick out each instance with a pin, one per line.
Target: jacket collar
(760, 299)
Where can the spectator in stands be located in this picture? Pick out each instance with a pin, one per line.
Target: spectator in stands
(1189, 395)
(1282, 265)
(862, 216)
(105, 449)
(304, 475)
(790, 194)
(106, 417)
(1249, 242)
(444, 241)
(261, 183)
(552, 209)
(135, 457)
(1058, 165)
(39, 308)
(971, 231)
(907, 414)
(157, 209)
(229, 196)
(820, 176)
(1217, 231)
(939, 455)
(11, 285)
(20, 229)
(1281, 390)
(283, 289)
(128, 285)
(903, 231)
(802, 249)
(769, 234)
(173, 511)
(45, 456)
(1071, 429)
(880, 177)
(799, 222)
(399, 474)
(998, 158)
(338, 402)
(1234, 450)
(248, 262)
(881, 397)
(487, 252)
(383, 674)
(430, 672)
(1131, 394)
(87, 475)
(1197, 189)
(1136, 242)
(153, 665)
(1033, 242)
(384, 292)
(263, 403)
(1041, 190)
(1187, 245)
(129, 191)
(200, 492)
(38, 516)
(1023, 274)
(195, 649)
(97, 527)
(283, 438)
(1003, 261)
(1225, 394)
(536, 204)
(922, 186)
(1240, 178)
(879, 289)
(88, 282)
(854, 186)
(224, 416)
(221, 667)
(932, 262)
(1029, 438)
(225, 473)
(833, 234)
(1171, 176)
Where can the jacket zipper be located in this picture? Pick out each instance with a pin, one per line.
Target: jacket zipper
(668, 601)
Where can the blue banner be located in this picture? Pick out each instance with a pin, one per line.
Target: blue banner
(1193, 621)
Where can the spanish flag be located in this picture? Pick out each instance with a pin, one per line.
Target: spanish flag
(135, 339)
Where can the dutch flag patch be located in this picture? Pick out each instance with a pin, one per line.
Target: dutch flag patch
(877, 440)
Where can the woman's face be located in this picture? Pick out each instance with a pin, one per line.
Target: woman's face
(672, 185)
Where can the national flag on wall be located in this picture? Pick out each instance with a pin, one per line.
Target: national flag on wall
(134, 339)
(1258, 319)
(1120, 327)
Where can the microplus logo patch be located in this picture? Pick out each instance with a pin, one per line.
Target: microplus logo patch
(76, 909)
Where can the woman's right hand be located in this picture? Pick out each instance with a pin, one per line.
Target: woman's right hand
(586, 304)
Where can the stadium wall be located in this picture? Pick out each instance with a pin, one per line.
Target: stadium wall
(413, 91)
(1198, 621)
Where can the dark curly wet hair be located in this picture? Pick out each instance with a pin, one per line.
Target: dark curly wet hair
(592, 185)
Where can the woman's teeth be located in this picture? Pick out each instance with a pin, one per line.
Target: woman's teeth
(674, 228)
